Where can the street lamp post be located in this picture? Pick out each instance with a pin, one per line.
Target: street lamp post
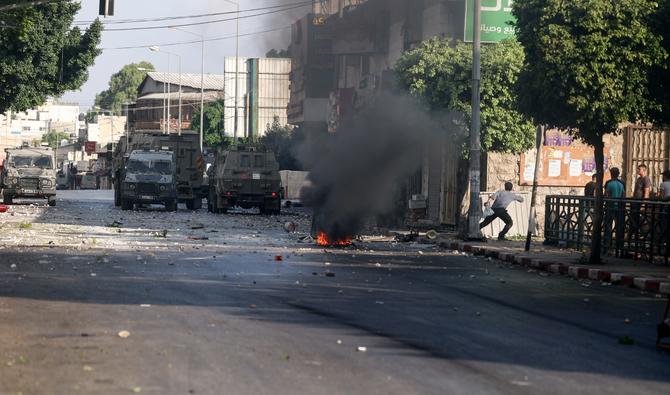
(202, 81)
(237, 61)
(157, 49)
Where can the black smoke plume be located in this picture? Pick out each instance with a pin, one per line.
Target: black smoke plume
(356, 172)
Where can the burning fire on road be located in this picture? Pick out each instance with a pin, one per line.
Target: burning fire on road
(323, 240)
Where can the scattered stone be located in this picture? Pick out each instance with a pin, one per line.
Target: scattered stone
(362, 349)
(124, 334)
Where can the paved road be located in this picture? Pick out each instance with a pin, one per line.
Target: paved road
(209, 310)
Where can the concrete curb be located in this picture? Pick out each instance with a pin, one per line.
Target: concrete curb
(643, 283)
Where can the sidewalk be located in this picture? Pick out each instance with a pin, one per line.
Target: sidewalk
(649, 277)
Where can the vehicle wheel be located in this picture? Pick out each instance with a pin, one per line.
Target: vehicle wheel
(126, 205)
(52, 201)
(7, 200)
(171, 206)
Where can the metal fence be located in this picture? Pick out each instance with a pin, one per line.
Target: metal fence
(630, 227)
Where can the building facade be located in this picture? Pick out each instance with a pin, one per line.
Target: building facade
(343, 55)
(30, 125)
(262, 94)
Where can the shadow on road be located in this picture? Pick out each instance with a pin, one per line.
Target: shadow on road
(427, 305)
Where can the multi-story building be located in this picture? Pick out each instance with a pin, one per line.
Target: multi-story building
(30, 125)
(343, 55)
(262, 94)
(158, 99)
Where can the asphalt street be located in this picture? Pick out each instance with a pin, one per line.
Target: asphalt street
(94, 300)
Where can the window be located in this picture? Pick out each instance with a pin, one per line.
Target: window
(259, 161)
(245, 161)
(26, 128)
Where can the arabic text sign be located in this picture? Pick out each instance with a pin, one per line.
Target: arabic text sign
(495, 19)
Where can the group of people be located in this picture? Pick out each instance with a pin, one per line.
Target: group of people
(616, 188)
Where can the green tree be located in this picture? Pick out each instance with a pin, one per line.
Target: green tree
(283, 141)
(586, 70)
(123, 86)
(659, 80)
(213, 128)
(54, 138)
(442, 74)
(41, 55)
(282, 53)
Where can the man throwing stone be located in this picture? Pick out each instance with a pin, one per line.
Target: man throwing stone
(501, 200)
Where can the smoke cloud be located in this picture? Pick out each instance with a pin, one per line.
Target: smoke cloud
(356, 172)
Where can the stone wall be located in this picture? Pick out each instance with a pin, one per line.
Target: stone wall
(506, 167)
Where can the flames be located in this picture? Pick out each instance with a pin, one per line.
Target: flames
(322, 239)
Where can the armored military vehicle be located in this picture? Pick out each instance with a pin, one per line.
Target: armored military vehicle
(188, 159)
(149, 178)
(246, 176)
(29, 172)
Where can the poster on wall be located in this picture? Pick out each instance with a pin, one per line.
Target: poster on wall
(568, 166)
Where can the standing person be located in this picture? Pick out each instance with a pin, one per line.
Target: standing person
(72, 172)
(501, 200)
(590, 187)
(664, 189)
(614, 189)
(638, 211)
(642, 184)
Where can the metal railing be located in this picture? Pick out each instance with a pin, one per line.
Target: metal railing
(630, 227)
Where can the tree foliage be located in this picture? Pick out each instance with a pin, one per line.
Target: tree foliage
(587, 63)
(54, 138)
(442, 75)
(123, 86)
(41, 55)
(274, 53)
(213, 123)
(283, 140)
(659, 80)
(587, 69)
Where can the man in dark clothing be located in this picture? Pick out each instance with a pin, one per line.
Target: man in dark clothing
(501, 200)
(590, 187)
(638, 215)
(643, 184)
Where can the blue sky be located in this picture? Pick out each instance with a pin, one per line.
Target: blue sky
(111, 60)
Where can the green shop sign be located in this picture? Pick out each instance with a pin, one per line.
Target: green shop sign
(496, 16)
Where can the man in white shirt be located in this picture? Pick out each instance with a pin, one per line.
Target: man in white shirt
(501, 200)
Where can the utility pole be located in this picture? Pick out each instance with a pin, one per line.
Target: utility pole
(237, 62)
(538, 157)
(475, 212)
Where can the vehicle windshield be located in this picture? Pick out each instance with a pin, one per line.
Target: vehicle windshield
(149, 166)
(42, 161)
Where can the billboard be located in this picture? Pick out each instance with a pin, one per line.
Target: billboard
(495, 20)
(90, 147)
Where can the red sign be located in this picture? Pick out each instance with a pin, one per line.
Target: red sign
(90, 147)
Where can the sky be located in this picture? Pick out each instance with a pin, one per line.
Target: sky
(112, 59)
